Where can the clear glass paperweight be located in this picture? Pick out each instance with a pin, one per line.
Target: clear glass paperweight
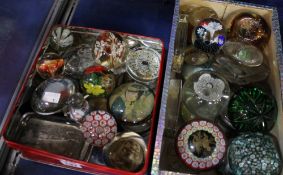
(61, 38)
(205, 94)
(78, 107)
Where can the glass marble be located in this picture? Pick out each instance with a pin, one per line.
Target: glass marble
(78, 107)
(61, 38)
(255, 154)
(205, 94)
(200, 145)
(251, 28)
(52, 95)
(131, 103)
(238, 73)
(198, 14)
(209, 35)
(97, 81)
(127, 152)
(78, 59)
(245, 54)
(143, 64)
(252, 109)
(99, 128)
(110, 50)
(50, 65)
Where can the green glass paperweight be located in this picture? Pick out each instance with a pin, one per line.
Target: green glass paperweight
(252, 109)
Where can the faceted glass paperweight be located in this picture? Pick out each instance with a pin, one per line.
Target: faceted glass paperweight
(50, 65)
(254, 153)
(78, 59)
(201, 145)
(110, 50)
(131, 103)
(97, 81)
(143, 64)
(209, 35)
(52, 95)
(200, 13)
(205, 94)
(245, 54)
(99, 128)
(238, 73)
(127, 152)
(252, 109)
(251, 28)
(61, 38)
(78, 107)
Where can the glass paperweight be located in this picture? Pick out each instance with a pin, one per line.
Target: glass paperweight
(127, 152)
(78, 59)
(205, 94)
(209, 35)
(200, 13)
(195, 57)
(254, 153)
(51, 95)
(99, 128)
(78, 107)
(61, 38)
(238, 73)
(251, 28)
(143, 64)
(97, 81)
(131, 103)
(252, 109)
(201, 145)
(50, 65)
(110, 50)
(245, 54)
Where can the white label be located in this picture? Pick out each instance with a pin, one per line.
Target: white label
(69, 163)
(51, 97)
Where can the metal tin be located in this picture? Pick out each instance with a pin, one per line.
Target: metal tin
(201, 145)
(127, 151)
(143, 64)
(99, 128)
(53, 134)
(51, 95)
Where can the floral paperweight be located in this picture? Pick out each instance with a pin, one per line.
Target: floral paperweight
(209, 35)
(52, 95)
(143, 64)
(127, 152)
(99, 128)
(201, 145)
(110, 50)
(255, 154)
(50, 65)
(205, 94)
(97, 81)
(252, 109)
(131, 103)
(61, 38)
